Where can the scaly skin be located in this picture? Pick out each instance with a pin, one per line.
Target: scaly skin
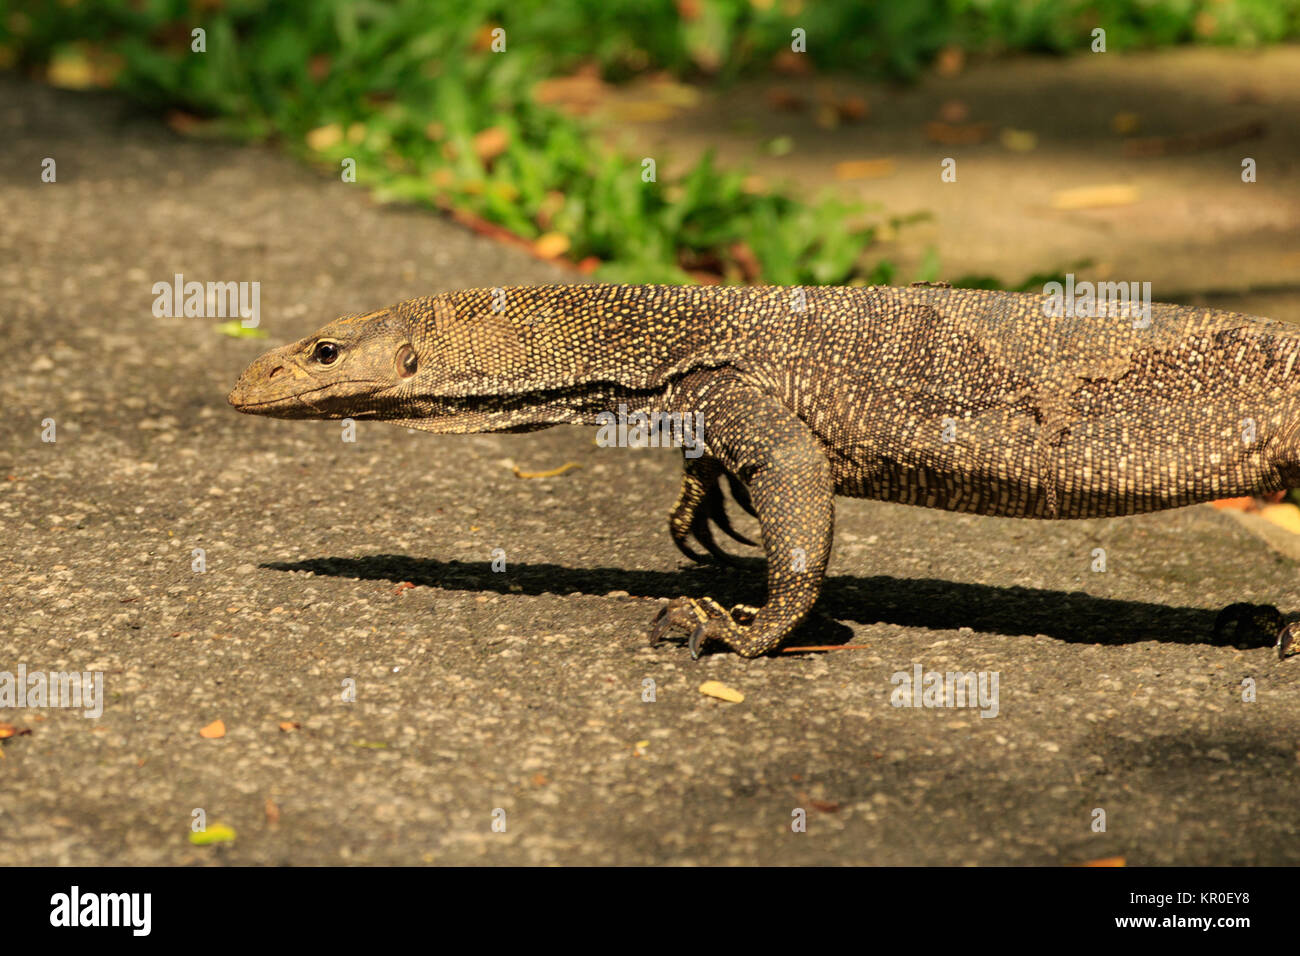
(947, 398)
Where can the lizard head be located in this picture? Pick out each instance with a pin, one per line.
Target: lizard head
(348, 369)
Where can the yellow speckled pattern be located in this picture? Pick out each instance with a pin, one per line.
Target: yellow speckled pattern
(959, 399)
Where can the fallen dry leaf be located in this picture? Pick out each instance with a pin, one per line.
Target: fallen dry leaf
(643, 111)
(1283, 515)
(520, 473)
(791, 63)
(957, 134)
(272, 812)
(954, 111)
(552, 245)
(863, 168)
(184, 123)
(1105, 861)
(853, 109)
(1095, 197)
(288, 725)
(491, 143)
(577, 95)
(213, 730)
(1194, 142)
(324, 137)
(779, 99)
(950, 61)
(721, 691)
(217, 833)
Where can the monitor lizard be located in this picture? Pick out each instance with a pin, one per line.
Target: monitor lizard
(966, 400)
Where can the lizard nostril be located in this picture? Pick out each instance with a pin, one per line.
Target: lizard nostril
(275, 371)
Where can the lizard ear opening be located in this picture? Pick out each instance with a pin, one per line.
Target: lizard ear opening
(407, 362)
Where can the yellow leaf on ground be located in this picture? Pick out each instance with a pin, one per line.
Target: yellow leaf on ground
(214, 730)
(217, 833)
(1283, 515)
(236, 329)
(520, 473)
(721, 691)
(1094, 197)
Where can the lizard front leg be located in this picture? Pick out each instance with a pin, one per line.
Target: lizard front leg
(758, 438)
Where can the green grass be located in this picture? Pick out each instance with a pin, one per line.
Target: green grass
(403, 87)
(404, 93)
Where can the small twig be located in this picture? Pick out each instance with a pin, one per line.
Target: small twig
(1194, 142)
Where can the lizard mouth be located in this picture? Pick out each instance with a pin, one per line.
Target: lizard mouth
(310, 403)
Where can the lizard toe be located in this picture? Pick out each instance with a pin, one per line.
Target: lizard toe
(707, 621)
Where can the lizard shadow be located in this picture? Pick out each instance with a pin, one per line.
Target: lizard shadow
(1070, 616)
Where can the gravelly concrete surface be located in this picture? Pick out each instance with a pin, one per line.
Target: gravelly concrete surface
(522, 690)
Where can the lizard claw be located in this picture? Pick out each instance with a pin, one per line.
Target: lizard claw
(718, 514)
(696, 642)
(660, 625)
(741, 494)
(1285, 638)
(706, 620)
(700, 502)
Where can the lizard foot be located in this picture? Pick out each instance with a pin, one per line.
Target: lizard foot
(1245, 625)
(705, 620)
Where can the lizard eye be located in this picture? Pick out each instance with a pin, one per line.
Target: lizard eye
(326, 353)
(406, 361)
